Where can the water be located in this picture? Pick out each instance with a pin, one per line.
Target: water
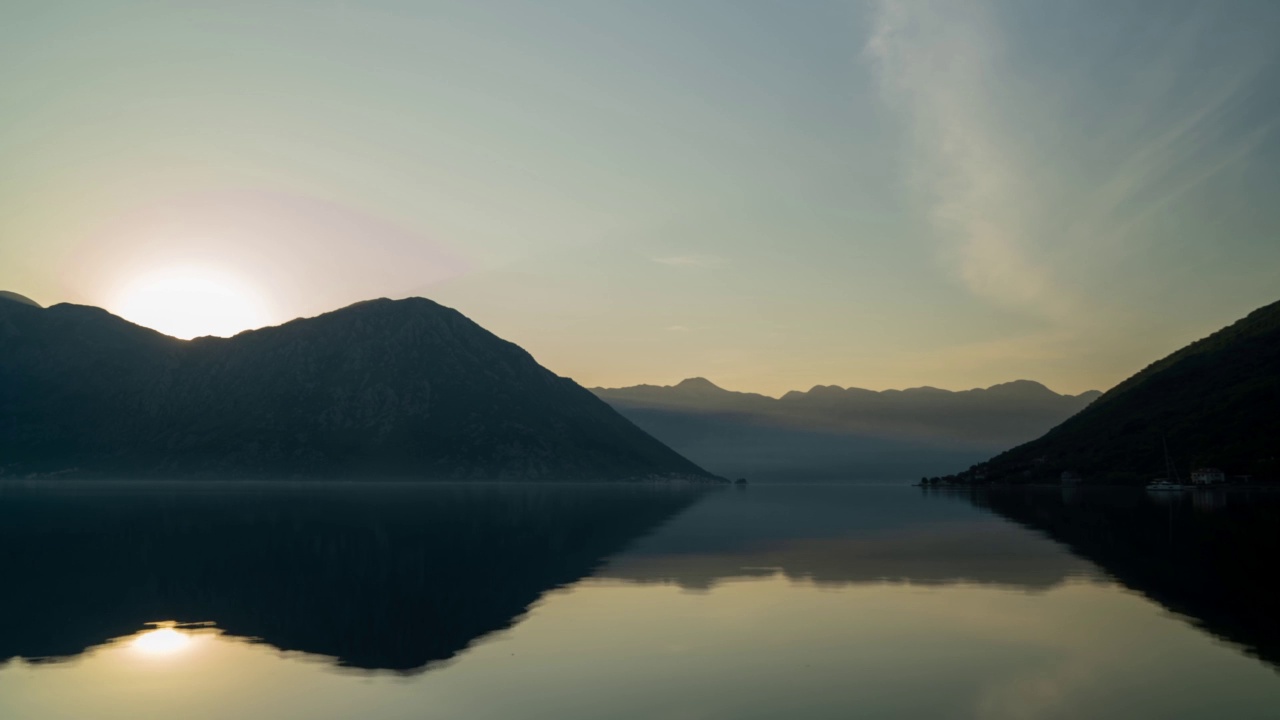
(395, 601)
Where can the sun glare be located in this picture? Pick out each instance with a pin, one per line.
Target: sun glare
(191, 302)
(161, 641)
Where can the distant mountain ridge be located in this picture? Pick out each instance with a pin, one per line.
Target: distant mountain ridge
(383, 388)
(830, 432)
(1215, 403)
(981, 415)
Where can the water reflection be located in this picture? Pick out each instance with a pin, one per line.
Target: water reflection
(841, 535)
(1206, 554)
(620, 602)
(377, 577)
(165, 639)
(395, 577)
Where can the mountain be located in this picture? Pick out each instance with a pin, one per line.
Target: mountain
(1216, 403)
(382, 388)
(15, 297)
(835, 433)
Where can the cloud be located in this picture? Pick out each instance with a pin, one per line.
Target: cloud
(1190, 120)
(700, 261)
(934, 62)
(678, 328)
(1042, 168)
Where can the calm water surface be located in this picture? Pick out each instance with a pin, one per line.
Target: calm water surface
(350, 601)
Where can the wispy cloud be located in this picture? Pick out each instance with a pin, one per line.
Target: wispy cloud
(700, 261)
(1186, 125)
(1022, 197)
(935, 62)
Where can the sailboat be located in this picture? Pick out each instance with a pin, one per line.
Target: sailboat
(1170, 482)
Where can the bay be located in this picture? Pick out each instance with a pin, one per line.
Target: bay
(342, 600)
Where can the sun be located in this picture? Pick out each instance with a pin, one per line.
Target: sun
(188, 302)
(164, 640)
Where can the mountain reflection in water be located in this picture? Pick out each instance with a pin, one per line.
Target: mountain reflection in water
(1205, 554)
(841, 535)
(398, 577)
(404, 578)
(629, 601)
(378, 576)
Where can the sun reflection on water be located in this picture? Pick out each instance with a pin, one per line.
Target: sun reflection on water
(164, 639)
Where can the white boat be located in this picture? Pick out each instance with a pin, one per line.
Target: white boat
(1163, 484)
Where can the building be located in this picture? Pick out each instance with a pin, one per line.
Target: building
(1208, 476)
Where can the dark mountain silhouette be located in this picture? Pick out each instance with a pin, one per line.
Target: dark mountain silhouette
(383, 388)
(831, 432)
(15, 297)
(1215, 402)
(390, 576)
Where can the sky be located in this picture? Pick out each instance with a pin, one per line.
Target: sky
(772, 195)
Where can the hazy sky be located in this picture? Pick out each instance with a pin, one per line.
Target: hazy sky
(769, 194)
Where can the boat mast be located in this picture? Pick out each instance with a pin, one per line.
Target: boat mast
(1169, 469)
